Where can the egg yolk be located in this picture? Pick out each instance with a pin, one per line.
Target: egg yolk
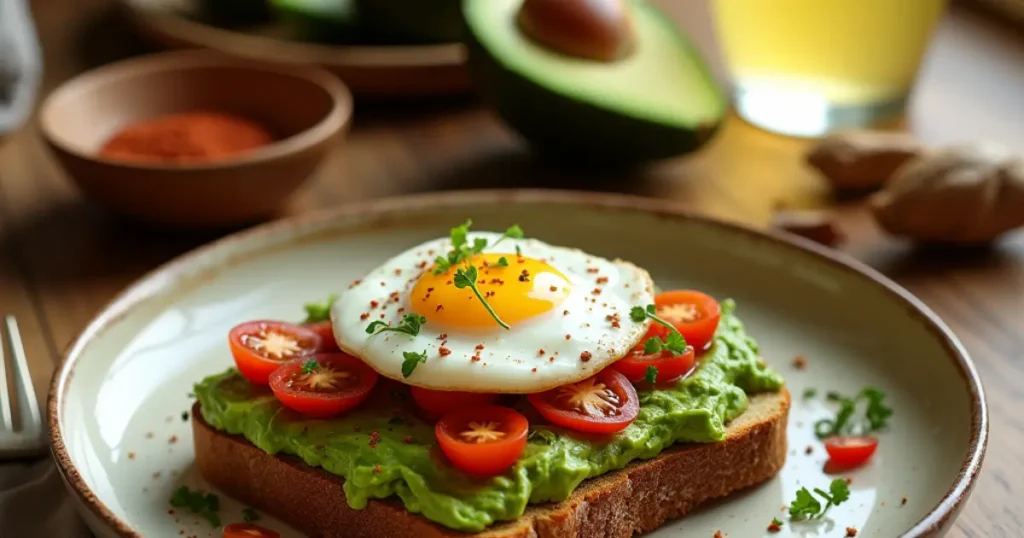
(525, 288)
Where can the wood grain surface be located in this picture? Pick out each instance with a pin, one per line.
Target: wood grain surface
(61, 258)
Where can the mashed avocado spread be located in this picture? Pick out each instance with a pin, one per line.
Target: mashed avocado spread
(383, 449)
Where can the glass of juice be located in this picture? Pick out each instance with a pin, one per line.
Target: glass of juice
(807, 67)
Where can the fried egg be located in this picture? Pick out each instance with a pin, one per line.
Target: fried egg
(567, 314)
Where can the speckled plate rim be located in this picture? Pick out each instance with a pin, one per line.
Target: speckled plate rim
(383, 210)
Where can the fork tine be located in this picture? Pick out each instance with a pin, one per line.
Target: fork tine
(5, 396)
(24, 384)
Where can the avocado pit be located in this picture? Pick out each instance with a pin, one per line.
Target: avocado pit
(598, 30)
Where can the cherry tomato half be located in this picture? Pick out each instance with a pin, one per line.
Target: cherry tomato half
(605, 403)
(248, 530)
(260, 347)
(438, 402)
(849, 452)
(483, 440)
(335, 383)
(634, 365)
(325, 330)
(694, 314)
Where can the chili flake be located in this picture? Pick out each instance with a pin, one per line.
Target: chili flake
(799, 362)
(602, 280)
(851, 531)
(903, 501)
(364, 316)
(475, 358)
(131, 456)
(585, 356)
(534, 370)
(849, 480)
(591, 269)
(524, 276)
(568, 337)
(553, 288)
(565, 312)
(442, 336)
(439, 308)
(398, 272)
(774, 526)
(540, 351)
(595, 291)
(444, 351)
(173, 439)
(374, 439)
(374, 304)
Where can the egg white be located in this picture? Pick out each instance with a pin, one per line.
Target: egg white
(533, 356)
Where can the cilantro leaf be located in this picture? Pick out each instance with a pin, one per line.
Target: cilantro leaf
(776, 522)
(502, 262)
(309, 366)
(840, 491)
(204, 505)
(514, 232)
(459, 233)
(519, 251)
(805, 505)
(410, 325)
(876, 414)
(637, 314)
(479, 244)
(412, 360)
(653, 345)
(651, 375)
(317, 312)
(675, 343)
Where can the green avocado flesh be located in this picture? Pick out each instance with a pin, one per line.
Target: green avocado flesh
(319, 20)
(657, 102)
(408, 463)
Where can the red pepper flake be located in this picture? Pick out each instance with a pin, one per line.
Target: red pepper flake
(173, 439)
(534, 370)
(585, 356)
(374, 304)
(568, 337)
(382, 316)
(520, 259)
(718, 534)
(170, 512)
(903, 501)
(364, 316)
(595, 291)
(479, 347)
(442, 336)
(540, 352)
(394, 296)
(799, 362)
(774, 527)
(553, 288)
(849, 480)
(809, 450)
(444, 351)
(475, 358)
(851, 531)
(615, 319)
(382, 284)
(602, 280)
(449, 282)
(400, 310)
(565, 312)
(524, 276)
(497, 281)
(439, 308)
(131, 455)
(398, 272)
(551, 359)
(376, 469)
(407, 439)
(374, 439)
(488, 295)
(422, 264)
(591, 270)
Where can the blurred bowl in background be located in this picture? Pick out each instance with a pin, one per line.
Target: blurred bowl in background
(307, 108)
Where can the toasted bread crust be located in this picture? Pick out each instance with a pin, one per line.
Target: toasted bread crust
(637, 499)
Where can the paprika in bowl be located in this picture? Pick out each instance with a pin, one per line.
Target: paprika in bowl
(195, 138)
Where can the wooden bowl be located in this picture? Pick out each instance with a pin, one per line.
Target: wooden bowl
(307, 108)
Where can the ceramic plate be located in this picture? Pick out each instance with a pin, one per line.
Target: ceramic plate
(116, 403)
(368, 70)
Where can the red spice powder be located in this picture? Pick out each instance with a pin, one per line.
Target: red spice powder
(187, 138)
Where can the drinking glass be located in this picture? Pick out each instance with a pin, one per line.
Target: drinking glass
(807, 67)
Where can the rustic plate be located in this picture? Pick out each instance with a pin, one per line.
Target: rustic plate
(368, 70)
(116, 403)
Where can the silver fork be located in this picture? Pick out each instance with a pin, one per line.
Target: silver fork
(28, 439)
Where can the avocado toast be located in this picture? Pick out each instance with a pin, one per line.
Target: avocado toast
(642, 430)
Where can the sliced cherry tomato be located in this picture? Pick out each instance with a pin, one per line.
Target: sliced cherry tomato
(605, 403)
(248, 530)
(483, 440)
(324, 385)
(260, 347)
(634, 365)
(438, 402)
(325, 330)
(849, 452)
(694, 314)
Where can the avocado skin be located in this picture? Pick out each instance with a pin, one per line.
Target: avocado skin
(562, 127)
(236, 12)
(309, 25)
(411, 21)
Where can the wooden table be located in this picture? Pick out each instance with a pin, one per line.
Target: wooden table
(61, 259)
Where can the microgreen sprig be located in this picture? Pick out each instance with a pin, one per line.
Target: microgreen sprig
(317, 312)
(203, 504)
(310, 366)
(410, 325)
(876, 415)
(412, 360)
(651, 375)
(466, 278)
(673, 342)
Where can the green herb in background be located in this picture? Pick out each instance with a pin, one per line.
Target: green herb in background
(203, 504)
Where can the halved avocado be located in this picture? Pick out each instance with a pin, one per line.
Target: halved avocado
(411, 21)
(657, 102)
(320, 20)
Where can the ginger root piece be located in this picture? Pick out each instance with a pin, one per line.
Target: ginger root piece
(963, 195)
(861, 159)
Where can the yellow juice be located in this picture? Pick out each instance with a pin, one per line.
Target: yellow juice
(848, 52)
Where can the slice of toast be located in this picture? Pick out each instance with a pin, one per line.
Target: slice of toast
(637, 499)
